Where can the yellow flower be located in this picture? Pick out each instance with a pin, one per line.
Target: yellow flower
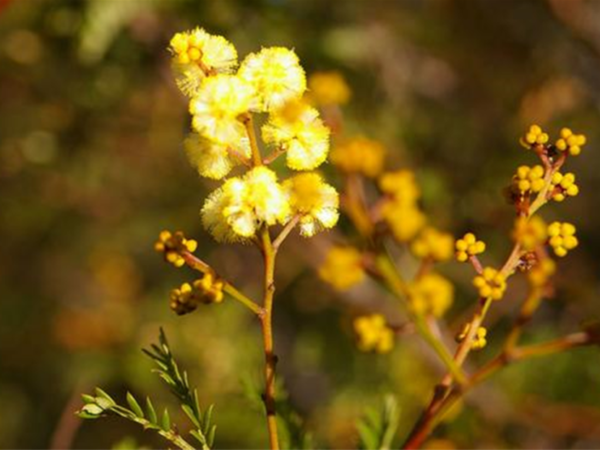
(315, 201)
(534, 136)
(342, 268)
(328, 88)
(373, 334)
(433, 244)
(217, 107)
(570, 142)
(431, 294)
(186, 298)
(563, 186)
(562, 237)
(297, 129)
(195, 52)
(541, 272)
(404, 221)
(173, 245)
(530, 233)
(491, 284)
(468, 246)
(276, 75)
(528, 179)
(209, 158)
(401, 185)
(359, 155)
(237, 209)
(479, 340)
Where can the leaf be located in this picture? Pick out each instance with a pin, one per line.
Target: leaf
(151, 412)
(166, 421)
(191, 415)
(88, 398)
(134, 405)
(377, 427)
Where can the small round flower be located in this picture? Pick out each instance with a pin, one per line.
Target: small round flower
(212, 159)
(197, 52)
(530, 232)
(315, 201)
(433, 244)
(563, 186)
(431, 294)
(468, 246)
(404, 221)
(541, 272)
(237, 209)
(570, 142)
(328, 88)
(562, 237)
(400, 185)
(373, 334)
(276, 76)
(479, 340)
(172, 245)
(297, 129)
(342, 268)
(528, 179)
(217, 107)
(491, 284)
(359, 155)
(187, 297)
(534, 136)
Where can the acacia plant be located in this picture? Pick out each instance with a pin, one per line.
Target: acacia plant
(244, 117)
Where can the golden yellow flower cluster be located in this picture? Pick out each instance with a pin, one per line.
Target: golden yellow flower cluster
(328, 88)
(563, 186)
(431, 294)
(342, 268)
(373, 334)
(187, 297)
(468, 246)
(534, 136)
(479, 340)
(530, 233)
(491, 284)
(359, 155)
(173, 245)
(562, 237)
(570, 142)
(433, 244)
(528, 179)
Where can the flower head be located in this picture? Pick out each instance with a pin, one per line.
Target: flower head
(563, 186)
(173, 245)
(373, 334)
(562, 237)
(211, 159)
(534, 136)
(479, 340)
(359, 155)
(342, 268)
(400, 185)
(276, 76)
(570, 142)
(297, 129)
(530, 233)
(491, 284)
(314, 201)
(187, 297)
(431, 294)
(328, 88)
(528, 179)
(541, 272)
(433, 244)
(468, 246)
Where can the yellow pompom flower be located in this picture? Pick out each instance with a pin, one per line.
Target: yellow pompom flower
(562, 237)
(212, 159)
(314, 201)
(328, 88)
(373, 334)
(564, 186)
(431, 294)
(297, 129)
(187, 297)
(173, 245)
(534, 136)
(197, 54)
(570, 142)
(433, 244)
(217, 107)
(237, 209)
(404, 221)
(401, 185)
(359, 155)
(479, 340)
(541, 272)
(276, 76)
(530, 233)
(468, 246)
(342, 268)
(528, 179)
(490, 284)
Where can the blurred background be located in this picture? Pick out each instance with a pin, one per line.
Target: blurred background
(92, 168)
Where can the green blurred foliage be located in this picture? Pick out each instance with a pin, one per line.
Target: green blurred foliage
(91, 169)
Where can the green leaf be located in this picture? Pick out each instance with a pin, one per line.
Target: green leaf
(166, 421)
(134, 405)
(211, 436)
(88, 398)
(90, 411)
(191, 415)
(377, 427)
(151, 412)
(101, 394)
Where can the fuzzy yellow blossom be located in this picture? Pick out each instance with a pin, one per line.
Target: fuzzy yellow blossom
(197, 54)
(562, 237)
(534, 136)
(373, 334)
(342, 268)
(276, 76)
(570, 142)
(541, 272)
(431, 294)
(212, 159)
(173, 245)
(217, 107)
(187, 297)
(530, 233)
(328, 88)
(314, 201)
(404, 221)
(297, 129)
(359, 155)
(433, 244)
(468, 246)
(479, 340)
(563, 186)
(400, 185)
(528, 179)
(490, 284)
(238, 208)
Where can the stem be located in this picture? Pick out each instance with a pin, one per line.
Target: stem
(269, 254)
(249, 124)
